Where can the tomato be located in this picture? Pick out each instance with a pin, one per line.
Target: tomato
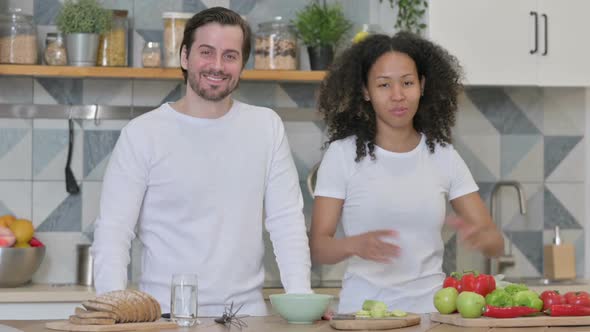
(550, 298)
(578, 298)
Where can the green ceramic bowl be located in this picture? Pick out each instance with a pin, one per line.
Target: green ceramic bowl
(300, 308)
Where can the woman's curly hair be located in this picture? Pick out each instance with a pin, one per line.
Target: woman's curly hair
(347, 113)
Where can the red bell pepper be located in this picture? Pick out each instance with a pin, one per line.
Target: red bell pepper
(568, 310)
(454, 280)
(468, 282)
(551, 297)
(484, 284)
(578, 298)
(508, 312)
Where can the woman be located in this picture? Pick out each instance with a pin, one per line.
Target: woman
(390, 103)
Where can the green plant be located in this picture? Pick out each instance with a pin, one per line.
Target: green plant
(410, 13)
(321, 25)
(83, 16)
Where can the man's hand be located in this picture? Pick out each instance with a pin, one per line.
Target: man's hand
(371, 246)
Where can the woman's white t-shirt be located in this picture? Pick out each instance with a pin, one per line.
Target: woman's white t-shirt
(405, 192)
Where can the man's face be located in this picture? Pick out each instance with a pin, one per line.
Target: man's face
(215, 61)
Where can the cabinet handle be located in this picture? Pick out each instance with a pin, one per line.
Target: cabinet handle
(533, 51)
(546, 34)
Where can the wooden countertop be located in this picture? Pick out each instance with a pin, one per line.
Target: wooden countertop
(277, 324)
(32, 293)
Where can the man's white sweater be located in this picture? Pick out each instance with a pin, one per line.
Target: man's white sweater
(195, 188)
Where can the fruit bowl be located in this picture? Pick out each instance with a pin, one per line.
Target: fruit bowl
(300, 308)
(17, 265)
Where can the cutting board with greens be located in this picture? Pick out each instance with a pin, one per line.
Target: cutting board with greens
(374, 316)
(474, 300)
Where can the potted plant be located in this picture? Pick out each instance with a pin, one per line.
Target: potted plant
(82, 22)
(321, 27)
(410, 14)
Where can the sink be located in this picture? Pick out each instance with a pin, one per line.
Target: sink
(540, 281)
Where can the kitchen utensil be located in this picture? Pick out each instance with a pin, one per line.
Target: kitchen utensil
(85, 264)
(71, 184)
(349, 322)
(457, 320)
(17, 265)
(230, 318)
(300, 308)
(64, 325)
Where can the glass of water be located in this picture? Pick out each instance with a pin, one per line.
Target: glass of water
(183, 299)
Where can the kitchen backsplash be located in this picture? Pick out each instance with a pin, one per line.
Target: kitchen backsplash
(533, 135)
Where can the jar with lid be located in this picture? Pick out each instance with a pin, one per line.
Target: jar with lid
(276, 45)
(112, 46)
(151, 55)
(174, 23)
(55, 50)
(18, 38)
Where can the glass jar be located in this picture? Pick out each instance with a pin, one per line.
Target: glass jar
(151, 55)
(18, 38)
(112, 46)
(174, 23)
(55, 50)
(276, 45)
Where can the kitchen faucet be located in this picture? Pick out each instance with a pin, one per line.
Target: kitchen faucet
(497, 265)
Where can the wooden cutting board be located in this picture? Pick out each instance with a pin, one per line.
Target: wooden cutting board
(375, 323)
(456, 319)
(64, 325)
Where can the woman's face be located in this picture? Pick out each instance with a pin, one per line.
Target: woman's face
(394, 90)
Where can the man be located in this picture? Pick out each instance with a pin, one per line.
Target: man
(196, 176)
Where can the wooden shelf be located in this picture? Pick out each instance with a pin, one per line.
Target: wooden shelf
(150, 73)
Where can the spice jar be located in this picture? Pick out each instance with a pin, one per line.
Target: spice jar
(276, 45)
(174, 23)
(55, 50)
(151, 55)
(18, 38)
(112, 46)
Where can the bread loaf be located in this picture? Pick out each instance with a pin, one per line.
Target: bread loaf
(122, 306)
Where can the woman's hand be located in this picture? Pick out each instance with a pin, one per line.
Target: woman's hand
(474, 236)
(371, 246)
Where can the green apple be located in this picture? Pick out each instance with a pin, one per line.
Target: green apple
(470, 304)
(445, 300)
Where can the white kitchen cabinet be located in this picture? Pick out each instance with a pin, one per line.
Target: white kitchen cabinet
(515, 42)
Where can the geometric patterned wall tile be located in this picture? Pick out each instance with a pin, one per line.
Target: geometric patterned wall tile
(305, 140)
(572, 168)
(510, 208)
(98, 145)
(530, 244)
(151, 93)
(523, 266)
(175, 94)
(556, 150)
(59, 264)
(242, 7)
(481, 154)
(107, 92)
(556, 213)
(15, 149)
(257, 93)
(148, 13)
(272, 277)
(564, 111)
(501, 111)
(66, 216)
(64, 91)
(15, 90)
(90, 206)
(16, 198)
(50, 149)
(450, 256)
(55, 207)
(530, 101)
(470, 121)
(303, 95)
(192, 6)
(580, 248)
(521, 153)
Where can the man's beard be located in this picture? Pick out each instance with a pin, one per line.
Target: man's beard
(212, 94)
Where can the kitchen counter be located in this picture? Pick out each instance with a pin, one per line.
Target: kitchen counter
(277, 324)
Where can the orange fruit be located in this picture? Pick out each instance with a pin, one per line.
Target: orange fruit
(23, 230)
(7, 220)
(22, 245)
